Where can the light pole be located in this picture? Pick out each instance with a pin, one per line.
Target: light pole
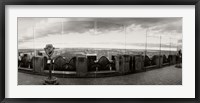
(125, 44)
(145, 53)
(34, 39)
(160, 52)
(170, 45)
(146, 44)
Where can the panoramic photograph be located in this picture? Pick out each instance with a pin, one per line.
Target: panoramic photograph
(99, 50)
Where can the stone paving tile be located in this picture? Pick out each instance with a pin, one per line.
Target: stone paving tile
(162, 76)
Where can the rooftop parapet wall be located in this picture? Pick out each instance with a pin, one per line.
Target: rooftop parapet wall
(123, 64)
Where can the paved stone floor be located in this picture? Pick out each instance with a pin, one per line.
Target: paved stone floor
(162, 76)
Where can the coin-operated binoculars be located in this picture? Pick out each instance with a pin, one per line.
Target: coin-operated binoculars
(49, 50)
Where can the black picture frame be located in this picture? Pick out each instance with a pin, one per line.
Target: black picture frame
(3, 3)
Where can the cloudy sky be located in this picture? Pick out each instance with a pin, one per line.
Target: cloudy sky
(122, 33)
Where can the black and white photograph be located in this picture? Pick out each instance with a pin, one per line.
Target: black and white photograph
(99, 50)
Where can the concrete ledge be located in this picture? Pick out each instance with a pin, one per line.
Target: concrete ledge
(165, 64)
(155, 66)
(25, 69)
(150, 67)
(72, 74)
(93, 74)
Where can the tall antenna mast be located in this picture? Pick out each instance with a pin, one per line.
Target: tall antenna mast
(170, 45)
(160, 44)
(125, 36)
(146, 44)
(62, 27)
(160, 52)
(145, 52)
(34, 40)
(125, 39)
(177, 46)
(62, 31)
(95, 26)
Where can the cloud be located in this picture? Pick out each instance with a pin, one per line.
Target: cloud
(53, 26)
(153, 45)
(107, 27)
(78, 26)
(26, 25)
(159, 25)
(47, 29)
(175, 27)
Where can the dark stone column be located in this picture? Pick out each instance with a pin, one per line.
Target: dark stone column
(173, 59)
(81, 66)
(126, 63)
(122, 63)
(38, 64)
(160, 61)
(157, 60)
(139, 63)
(132, 63)
(117, 62)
